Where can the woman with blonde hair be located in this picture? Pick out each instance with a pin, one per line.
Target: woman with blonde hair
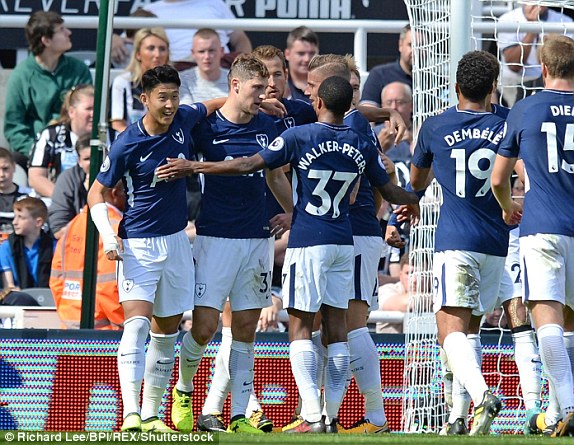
(54, 150)
(151, 49)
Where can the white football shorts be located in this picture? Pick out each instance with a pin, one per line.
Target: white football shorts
(466, 279)
(548, 268)
(368, 252)
(317, 275)
(511, 283)
(236, 268)
(159, 270)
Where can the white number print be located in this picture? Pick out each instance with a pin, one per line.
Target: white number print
(552, 144)
(326, 202)
(474, 169)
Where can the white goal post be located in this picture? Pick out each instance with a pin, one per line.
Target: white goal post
(443, 30)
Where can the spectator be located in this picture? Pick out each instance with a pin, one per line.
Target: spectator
(9, 192)
(398, 71)
(68, 265)
(521, 70)
(151, 49)
(207, 80)
(26, 257)
(71, 190)
(395, 297)
(180, 39)
(123, 45)
(54, 151)
(36, 86)
(398, 96)
(302, 46)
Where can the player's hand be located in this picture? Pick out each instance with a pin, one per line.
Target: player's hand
(393, 237)
(410, 212)
(268, 318)
(386, 136)
(397, 125)
(174, 169)
(513, 216)
(389, 165)
(273, 107)
(280, 223)
(114, 249)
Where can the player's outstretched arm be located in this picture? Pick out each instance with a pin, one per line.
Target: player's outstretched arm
(280, 187)
(99, 212)
(397, 195)
(396, 122)
(213, 105)
(178, 168)
(500, 184)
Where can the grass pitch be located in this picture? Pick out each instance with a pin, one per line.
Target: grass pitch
(386, 439)
(311, 439)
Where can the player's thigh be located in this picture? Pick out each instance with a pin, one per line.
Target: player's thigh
(546, 269)
(175, 288)
(456, 279)
(251, 288)
(217, 263)
(367, 251)
(339, 278)
(305, 279)
(140, 271)
(491, 269)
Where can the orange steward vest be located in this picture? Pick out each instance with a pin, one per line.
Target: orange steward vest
(66, 279)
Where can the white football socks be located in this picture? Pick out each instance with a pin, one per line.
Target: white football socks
(131, 362)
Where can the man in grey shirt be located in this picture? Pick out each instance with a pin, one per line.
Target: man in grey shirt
(207, 80)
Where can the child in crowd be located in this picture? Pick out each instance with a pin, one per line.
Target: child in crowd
(26, 257)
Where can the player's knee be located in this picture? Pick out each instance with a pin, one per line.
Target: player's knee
(203, 332)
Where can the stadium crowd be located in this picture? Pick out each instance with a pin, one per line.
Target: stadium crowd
(282, 177)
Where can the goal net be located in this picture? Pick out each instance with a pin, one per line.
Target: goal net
(492, 26)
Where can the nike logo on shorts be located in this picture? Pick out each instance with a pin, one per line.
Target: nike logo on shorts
(219, 141)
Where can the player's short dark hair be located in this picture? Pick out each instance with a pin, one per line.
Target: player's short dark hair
(475, 75)
(557, 54)
(160, 74)
(337, 94)
(246, 67)
(41, 24)
(268, 52)
(495, 63)
(302, 33)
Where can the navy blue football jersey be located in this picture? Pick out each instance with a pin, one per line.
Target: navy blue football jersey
(362, 212)
(233, 206)
(461, 146)
(326, 161)
(540, 131)
(500, 111)
(298, 113)
(154, 207)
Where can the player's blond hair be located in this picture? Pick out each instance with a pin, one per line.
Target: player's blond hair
(557, 54)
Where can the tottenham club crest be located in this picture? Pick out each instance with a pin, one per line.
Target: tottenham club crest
(289, 122)
(262, 140)
(127, 285)
(105, 165)
(178, 136)
(200, 289)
